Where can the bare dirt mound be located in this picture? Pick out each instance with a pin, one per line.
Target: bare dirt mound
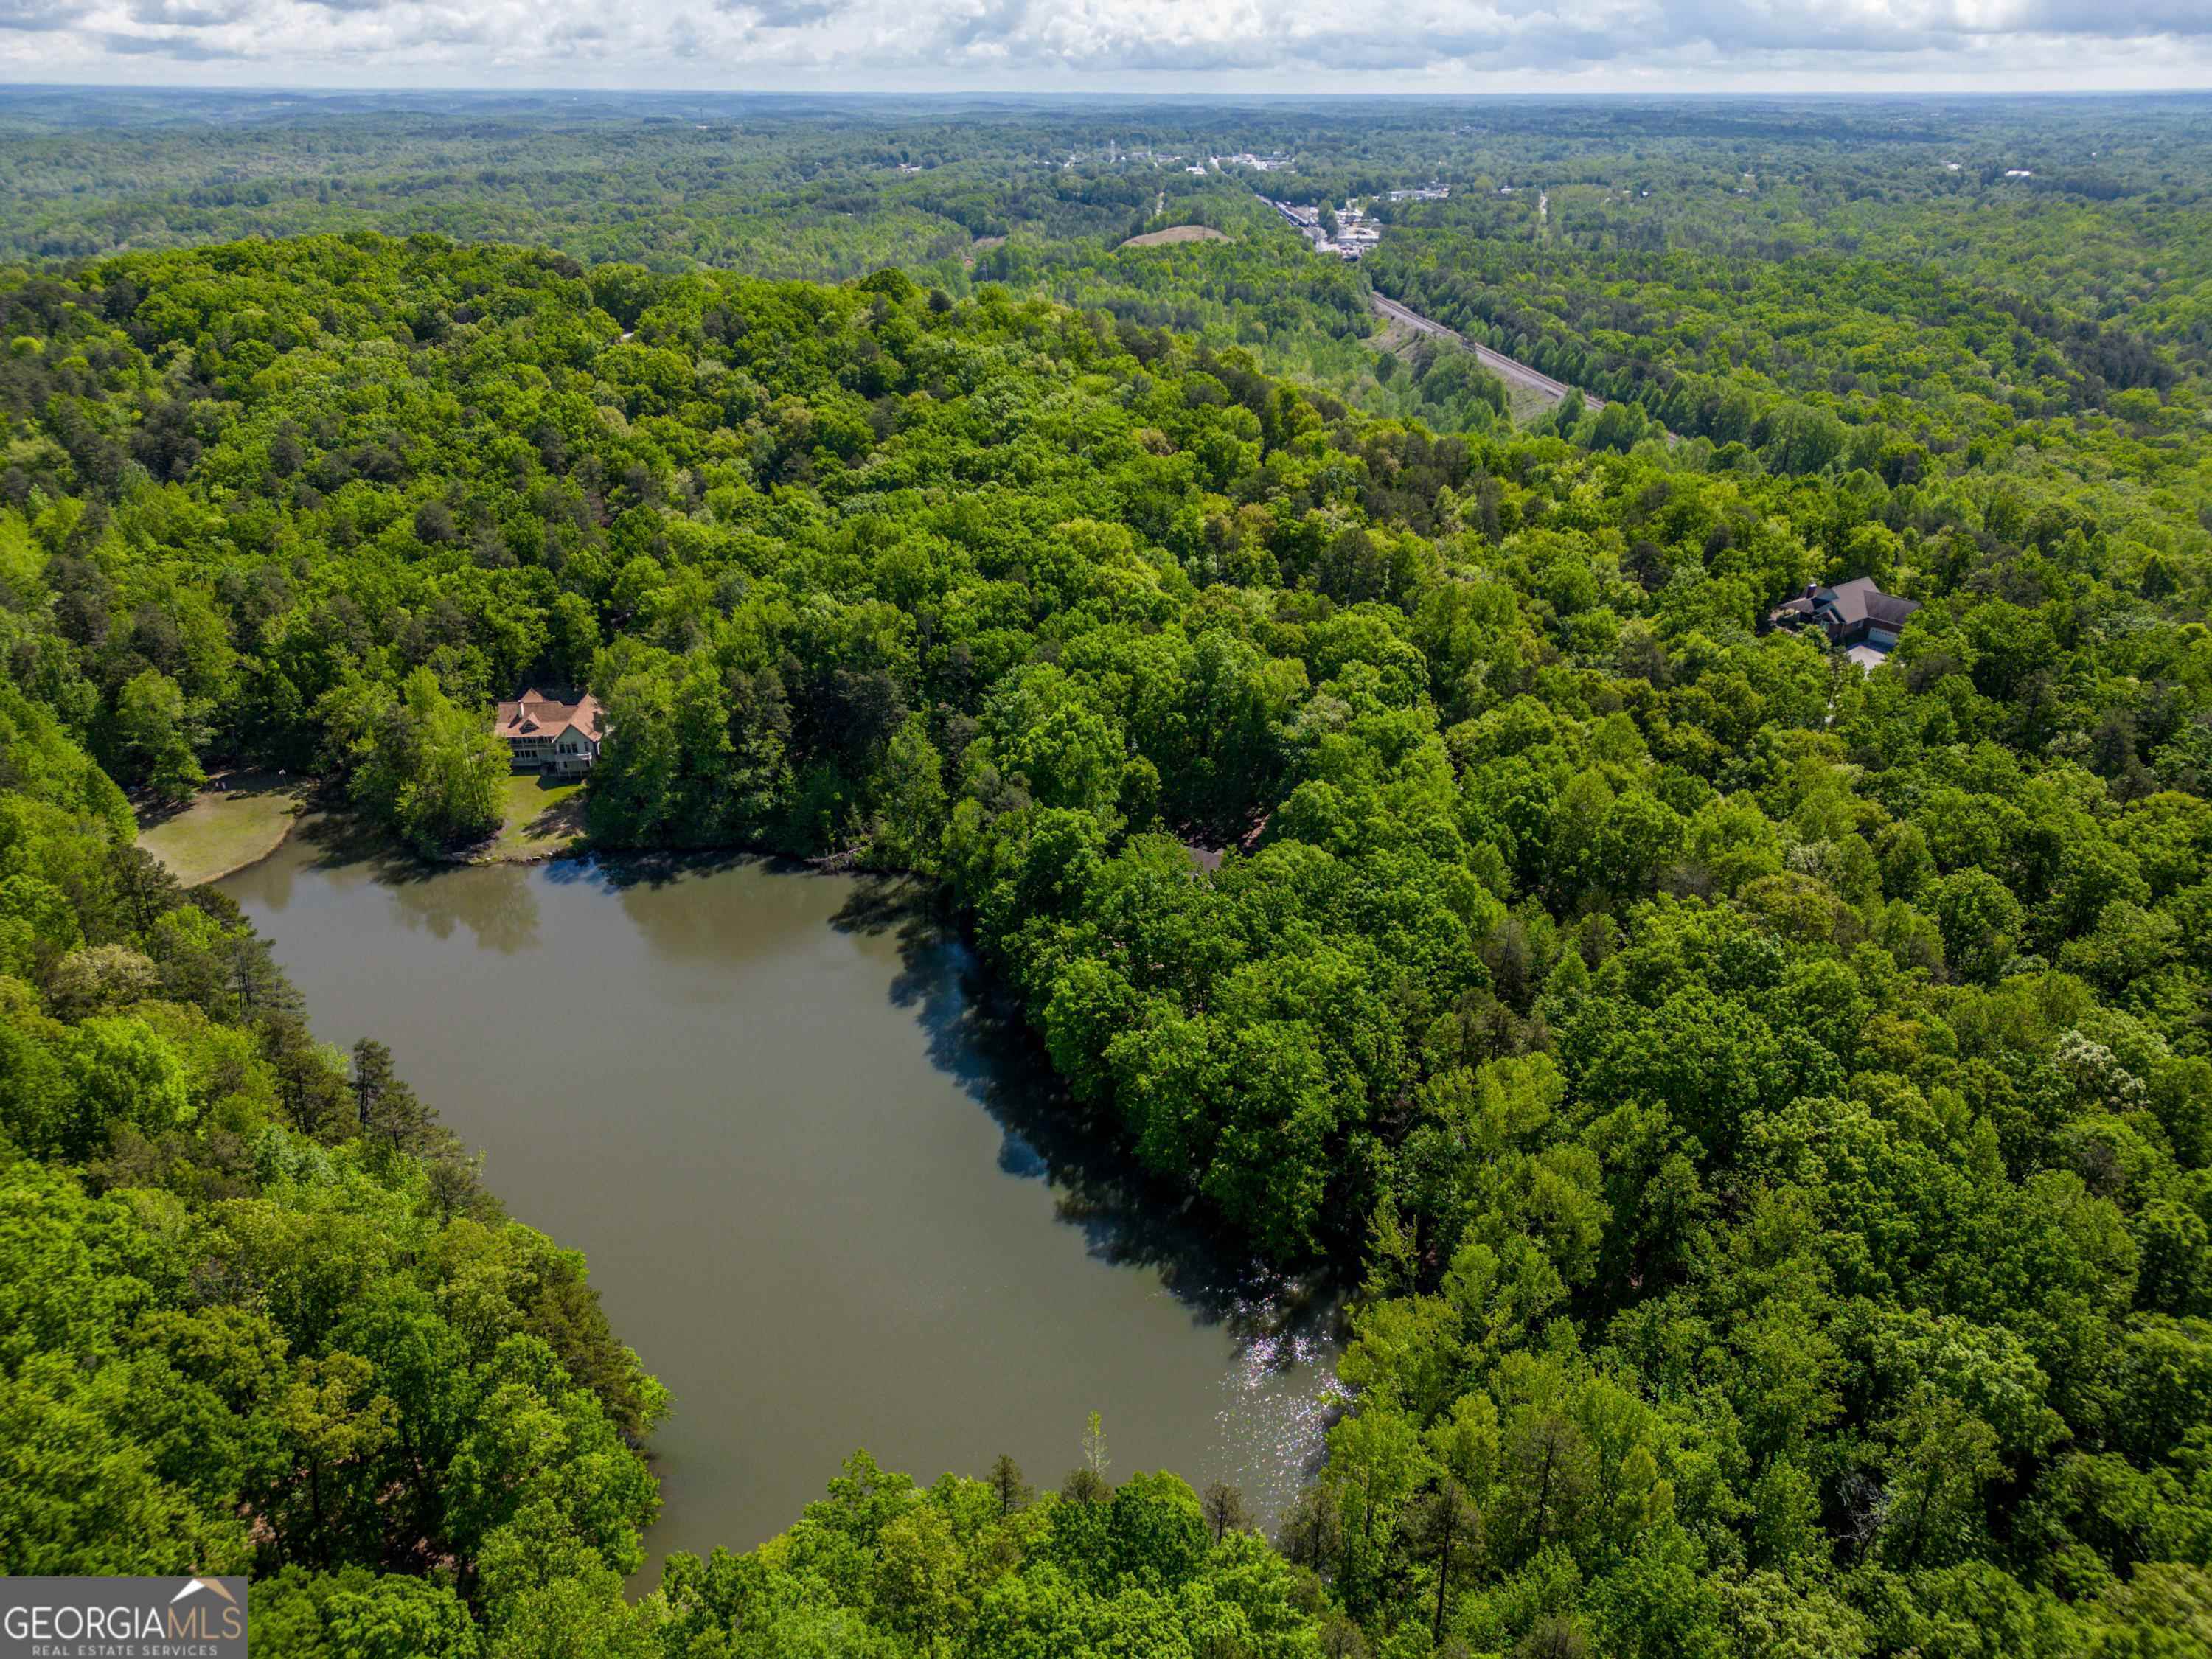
(1176, 234)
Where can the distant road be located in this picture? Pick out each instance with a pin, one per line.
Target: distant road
(1508, 369)
(1511, 370)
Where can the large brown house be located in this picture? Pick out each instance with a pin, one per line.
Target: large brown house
(1860, 619)
(546, 734)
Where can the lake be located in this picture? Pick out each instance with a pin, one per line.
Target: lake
(827, 1192)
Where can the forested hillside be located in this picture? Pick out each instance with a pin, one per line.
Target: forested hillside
(258, 1313)
(1766, 1106)
(1910, 286)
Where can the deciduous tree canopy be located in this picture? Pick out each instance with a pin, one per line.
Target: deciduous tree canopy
(1765, 1103)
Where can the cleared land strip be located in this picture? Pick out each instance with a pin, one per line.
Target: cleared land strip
(1176, 234)
(1511, 370)
(1508, 369)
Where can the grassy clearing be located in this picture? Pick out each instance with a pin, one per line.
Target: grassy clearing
(544, 816)
(1398, 338)
(1525, 403)
(224, 829)
(1176, 234)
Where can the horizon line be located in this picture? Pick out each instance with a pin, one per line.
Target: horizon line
(1063, 93)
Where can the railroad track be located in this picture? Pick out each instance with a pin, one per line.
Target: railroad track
(1511, 370)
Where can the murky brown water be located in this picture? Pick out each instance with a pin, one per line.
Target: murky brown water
(824, 1192)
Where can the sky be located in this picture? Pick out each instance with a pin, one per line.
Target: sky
(1119, 46)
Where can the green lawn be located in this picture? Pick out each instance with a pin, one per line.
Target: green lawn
(223, 831)
(544, 815)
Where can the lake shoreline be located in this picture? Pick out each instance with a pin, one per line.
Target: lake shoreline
(802, 1131)
(316, 800)
(235, 820)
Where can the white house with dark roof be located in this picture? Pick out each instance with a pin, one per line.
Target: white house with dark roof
(546, 734)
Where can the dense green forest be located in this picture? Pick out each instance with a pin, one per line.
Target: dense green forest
(1765, 1107)
(1895, 280)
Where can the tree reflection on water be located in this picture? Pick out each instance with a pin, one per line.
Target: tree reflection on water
(1284, 1332)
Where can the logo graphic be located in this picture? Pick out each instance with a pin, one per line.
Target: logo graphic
(203, 1618)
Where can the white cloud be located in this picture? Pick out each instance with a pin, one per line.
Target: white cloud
(1434, 46)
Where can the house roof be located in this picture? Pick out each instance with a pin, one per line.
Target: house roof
(534, 715)
(1860, 601)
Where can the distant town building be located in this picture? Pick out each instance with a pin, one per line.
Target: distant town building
(1350, 243)
(1858, 617)
(548, 734)
(1354, 236)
